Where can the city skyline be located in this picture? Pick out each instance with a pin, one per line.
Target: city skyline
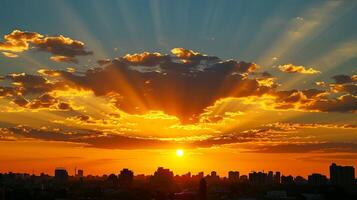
(338, 175)
(187, 85)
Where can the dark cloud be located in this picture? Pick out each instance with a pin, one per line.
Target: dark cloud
(43, 101)
(32, 84)
(342, 79)
(345, 103)
(103, 62)
(151, 81)
(63, 49)
(89, 138)
(6, 91)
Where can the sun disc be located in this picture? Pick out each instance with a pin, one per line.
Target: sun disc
(179, 152)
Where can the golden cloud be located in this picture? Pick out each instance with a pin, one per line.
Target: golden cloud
(10, 55)
(62, 48)
(290, 68)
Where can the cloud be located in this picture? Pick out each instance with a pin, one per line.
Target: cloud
(24, 84)
(63, 59)
(269, 138)
(63, 49)
(10, 55)
(321, 147)
(183, 85)
(342, 78)
(43, 101)
(294, 126)
(103, 61)
(89, 138)
(18, 41)
(142, 82)
(344, 103)
(290, 68)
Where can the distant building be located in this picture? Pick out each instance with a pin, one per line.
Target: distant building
(342, 175)
(61, 174)
(243, 178)
(299, 180)
(202, 190)
(80, 173)
(287, 180)
(233, 176)
(277, 178)
(270, 178)
(162, 179)
(213, 177)
(258, 178)
(213, 173)
(317, 179)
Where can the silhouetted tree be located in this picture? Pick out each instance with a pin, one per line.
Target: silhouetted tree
(112, 180)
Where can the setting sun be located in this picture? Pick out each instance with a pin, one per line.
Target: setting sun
(179, 152)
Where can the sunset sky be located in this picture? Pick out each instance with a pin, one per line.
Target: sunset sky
(237, 85)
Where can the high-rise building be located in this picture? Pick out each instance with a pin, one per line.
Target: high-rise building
(342, 175)
(80, 173)
(277, 178)
(162, 179)
(233, 176)
(202, 191)
(287, 180)
(213, 177)
(270, 178)
(258, 178)
(317, 179)
(61, 174)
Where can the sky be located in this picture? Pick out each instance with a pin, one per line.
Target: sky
(237, 85)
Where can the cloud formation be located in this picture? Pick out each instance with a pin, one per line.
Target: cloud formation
(290, 68)
(142, 82)
(269, 138)
(63, 49)
(183, 84)
(10, 55)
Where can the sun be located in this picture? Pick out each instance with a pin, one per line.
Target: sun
(179, 152)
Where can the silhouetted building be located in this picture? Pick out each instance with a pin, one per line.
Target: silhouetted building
(61, 174)
(257, 178)
(202, 190)
(198, 176)
(233, 176)
(317, 179)
(270, 178)
(125, 178)
(243, 178)
(213, 177)
(342, 175)
(162, 179)
(299, 180)
(277, 178)
(80, 173)
(287, 180)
